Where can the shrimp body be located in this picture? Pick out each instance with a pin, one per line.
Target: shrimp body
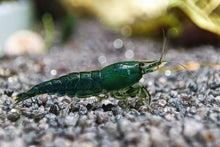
(119, 80)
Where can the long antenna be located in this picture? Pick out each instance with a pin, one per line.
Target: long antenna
(164, 45)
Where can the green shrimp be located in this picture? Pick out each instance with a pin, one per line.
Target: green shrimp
(119, 80)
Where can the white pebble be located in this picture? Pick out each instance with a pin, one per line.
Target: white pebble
(192, 128)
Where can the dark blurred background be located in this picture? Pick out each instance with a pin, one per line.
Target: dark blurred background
(33, 26)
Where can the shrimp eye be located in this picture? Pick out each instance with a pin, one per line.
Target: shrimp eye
(141, 63)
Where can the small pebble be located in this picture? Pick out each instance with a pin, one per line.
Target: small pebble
(176, 102)
(101, 117)
(13, 115)
(214, 85)
(214, 117)
(7, 104)
(46, 138)
(117, 110)
(181, 85)
(185, 97)
(83, 122)
(155, 120)
(51, 118)
(180, 142)
(203, 111)
(75, 106)
(8, 92)
(71, 119)
(61, 142)
(192, 86)
(191, 127)
(83, 111)
(111, 128)
(217, 99)
(27, 103)
(43, 125)
(29, 138)
(162, 81)
(201, 98)
(193, 110)
(107, 107)
(132, 138)
(44, 99)
(54, 109)
(173, 93)
(162, 103)
(124, 126)
(158, 138)
(169, 117)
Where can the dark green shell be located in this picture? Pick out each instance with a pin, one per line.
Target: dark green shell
(120, 75)
(84, 84)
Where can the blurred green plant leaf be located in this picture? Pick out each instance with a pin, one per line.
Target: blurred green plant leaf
(147, 17)
(204, 13)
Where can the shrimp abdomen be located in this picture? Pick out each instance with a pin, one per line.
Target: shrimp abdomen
(82, 84)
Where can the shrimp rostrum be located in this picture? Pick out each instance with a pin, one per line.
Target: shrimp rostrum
(119, 80)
